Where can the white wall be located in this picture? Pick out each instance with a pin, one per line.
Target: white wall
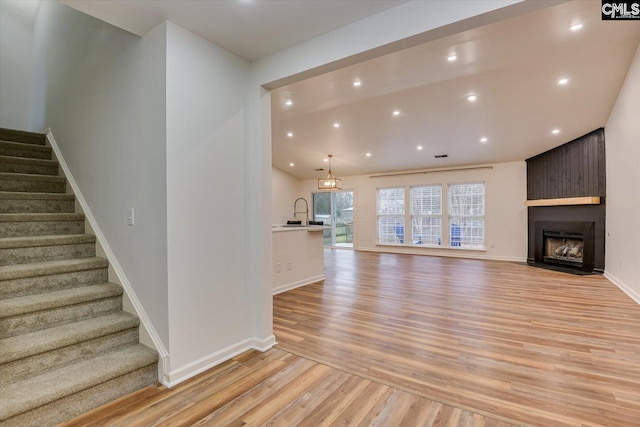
(16, 40)
(622, 142)
(208, 307)
(285, 189)
(505, 213)
(102, 92)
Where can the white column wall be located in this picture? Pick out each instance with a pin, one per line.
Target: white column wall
(622, 142)
(208, 308)
(102, 92)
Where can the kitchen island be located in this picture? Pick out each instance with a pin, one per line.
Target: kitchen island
(298, 256)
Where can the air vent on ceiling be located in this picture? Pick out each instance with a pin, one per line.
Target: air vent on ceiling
(319, 169)
(441, 156)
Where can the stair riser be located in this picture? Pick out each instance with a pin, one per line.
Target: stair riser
(16, 325)
(26, 151)
(71, 406)
(40, 363)
(53, 282)
(40, 228)
(24, 137)
(28, 168)
(36, 206)
(33, 186)
(46, 253)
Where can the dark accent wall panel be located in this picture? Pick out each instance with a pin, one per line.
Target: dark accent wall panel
(574, 169)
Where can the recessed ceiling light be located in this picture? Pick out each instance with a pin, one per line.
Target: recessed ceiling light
(336, 125)
(555, 131)
(325, 160)
(290, 134)
(288, 102)
(483, 139)
(576, 27)
(563, 81)
(452, 57)
(396, 113)
(419, 147)
(291, 164)
(368, 154)
(471, 98)
(357, 83)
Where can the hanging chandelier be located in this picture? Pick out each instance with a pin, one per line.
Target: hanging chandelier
(330, 182)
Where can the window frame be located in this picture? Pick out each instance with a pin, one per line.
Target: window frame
(399, 237)
(474, 240)
(429, 216)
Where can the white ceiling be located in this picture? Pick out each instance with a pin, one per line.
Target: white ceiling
(512, 66)
(252, 29)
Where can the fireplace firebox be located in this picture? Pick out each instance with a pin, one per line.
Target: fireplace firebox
(564, 245)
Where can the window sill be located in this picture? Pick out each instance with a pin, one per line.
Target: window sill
(455, 248)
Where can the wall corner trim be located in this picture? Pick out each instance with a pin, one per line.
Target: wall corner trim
(293, 285)
(183, 373)
(113, 262)
(634, 295)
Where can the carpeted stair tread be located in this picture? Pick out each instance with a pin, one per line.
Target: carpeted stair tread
(21, 346)
(32, 177)
(36, 202)
(28, 161)
(31, 182)
(22, 136)
(50, 300)
(19, 149)
(19, 271)
(18, 195)
(37, 217)
(35, 241)
(30, 393)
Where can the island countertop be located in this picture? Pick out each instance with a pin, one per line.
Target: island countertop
(280, 228)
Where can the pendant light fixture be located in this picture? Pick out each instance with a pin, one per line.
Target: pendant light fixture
(330, 182)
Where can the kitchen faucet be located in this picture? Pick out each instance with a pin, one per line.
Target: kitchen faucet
(306, 212)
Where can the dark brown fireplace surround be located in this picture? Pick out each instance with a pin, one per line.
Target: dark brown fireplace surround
(566, 206)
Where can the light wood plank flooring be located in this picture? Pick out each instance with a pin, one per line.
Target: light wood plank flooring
(518, 342)
(278, 389)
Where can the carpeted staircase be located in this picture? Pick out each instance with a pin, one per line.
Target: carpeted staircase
(66, 346)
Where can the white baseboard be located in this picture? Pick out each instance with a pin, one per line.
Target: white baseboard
(304, 282)
(633, 294)
(163, 363)
(196, 367)
(471, 254)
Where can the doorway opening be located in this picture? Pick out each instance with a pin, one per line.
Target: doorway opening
(336, 210)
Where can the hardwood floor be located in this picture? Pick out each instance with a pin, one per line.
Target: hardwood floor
(517, 342)
(277, 388)
(401, 340)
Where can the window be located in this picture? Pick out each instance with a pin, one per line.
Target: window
(390, 206)
(466, 215)
(426, 215)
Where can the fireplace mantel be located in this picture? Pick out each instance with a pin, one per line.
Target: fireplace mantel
(565, 201)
